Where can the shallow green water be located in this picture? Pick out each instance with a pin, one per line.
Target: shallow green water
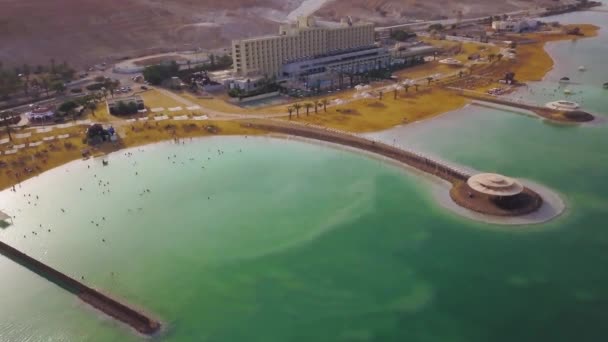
(286, 241)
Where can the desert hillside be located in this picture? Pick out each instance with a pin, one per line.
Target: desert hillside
(83, 32)
(396, 11)
(86, 31)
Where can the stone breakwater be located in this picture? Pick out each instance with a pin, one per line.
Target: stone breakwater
(575, 116)
(113, 308)
(413, 159)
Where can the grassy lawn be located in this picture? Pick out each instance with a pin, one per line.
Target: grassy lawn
(155, 99)
(370, 115)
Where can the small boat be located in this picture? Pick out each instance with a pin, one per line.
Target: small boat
(567, 91)
(582, 68)
(105, 162)
(606, 85)
(564, 79)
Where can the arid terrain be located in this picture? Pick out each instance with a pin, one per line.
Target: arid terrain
(87, 31)
(83, 32)
(397, 11)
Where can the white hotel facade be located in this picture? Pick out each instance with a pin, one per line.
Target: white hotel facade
(299, 45)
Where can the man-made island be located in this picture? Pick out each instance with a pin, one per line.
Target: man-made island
(488, 194)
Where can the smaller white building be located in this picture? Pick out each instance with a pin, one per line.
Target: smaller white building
(40, 113)
(512, 25)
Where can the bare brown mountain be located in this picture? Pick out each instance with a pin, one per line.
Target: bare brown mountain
(396, 11)
(88, 31)
(85, 31)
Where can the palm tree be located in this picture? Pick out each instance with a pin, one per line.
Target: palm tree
(407, 87)
(26, 72)
(395, 94)
(98, 95)
(297, 107)
(325, 102)
(6, 122)
(499, 56)
(290, 110)
(26, 87)
(91, 105)
(429, 80)
(416, 86)
(317, 104)
(308, 105)
(491, 57)
(380, 93)
(45, 83)
(58, 87)
(111, 86)
(72, 113)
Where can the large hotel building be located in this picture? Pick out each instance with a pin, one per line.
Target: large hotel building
(333, 45)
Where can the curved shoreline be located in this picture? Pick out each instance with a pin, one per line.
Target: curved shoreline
(427, 166)
(552, 207)
(527, 204)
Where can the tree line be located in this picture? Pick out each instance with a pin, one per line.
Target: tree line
(308, 106)
(32, 81)
(157, 74)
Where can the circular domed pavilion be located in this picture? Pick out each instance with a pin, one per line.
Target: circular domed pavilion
(495, 185)
(495, 194)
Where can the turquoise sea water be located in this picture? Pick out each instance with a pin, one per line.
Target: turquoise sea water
(277, 240)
